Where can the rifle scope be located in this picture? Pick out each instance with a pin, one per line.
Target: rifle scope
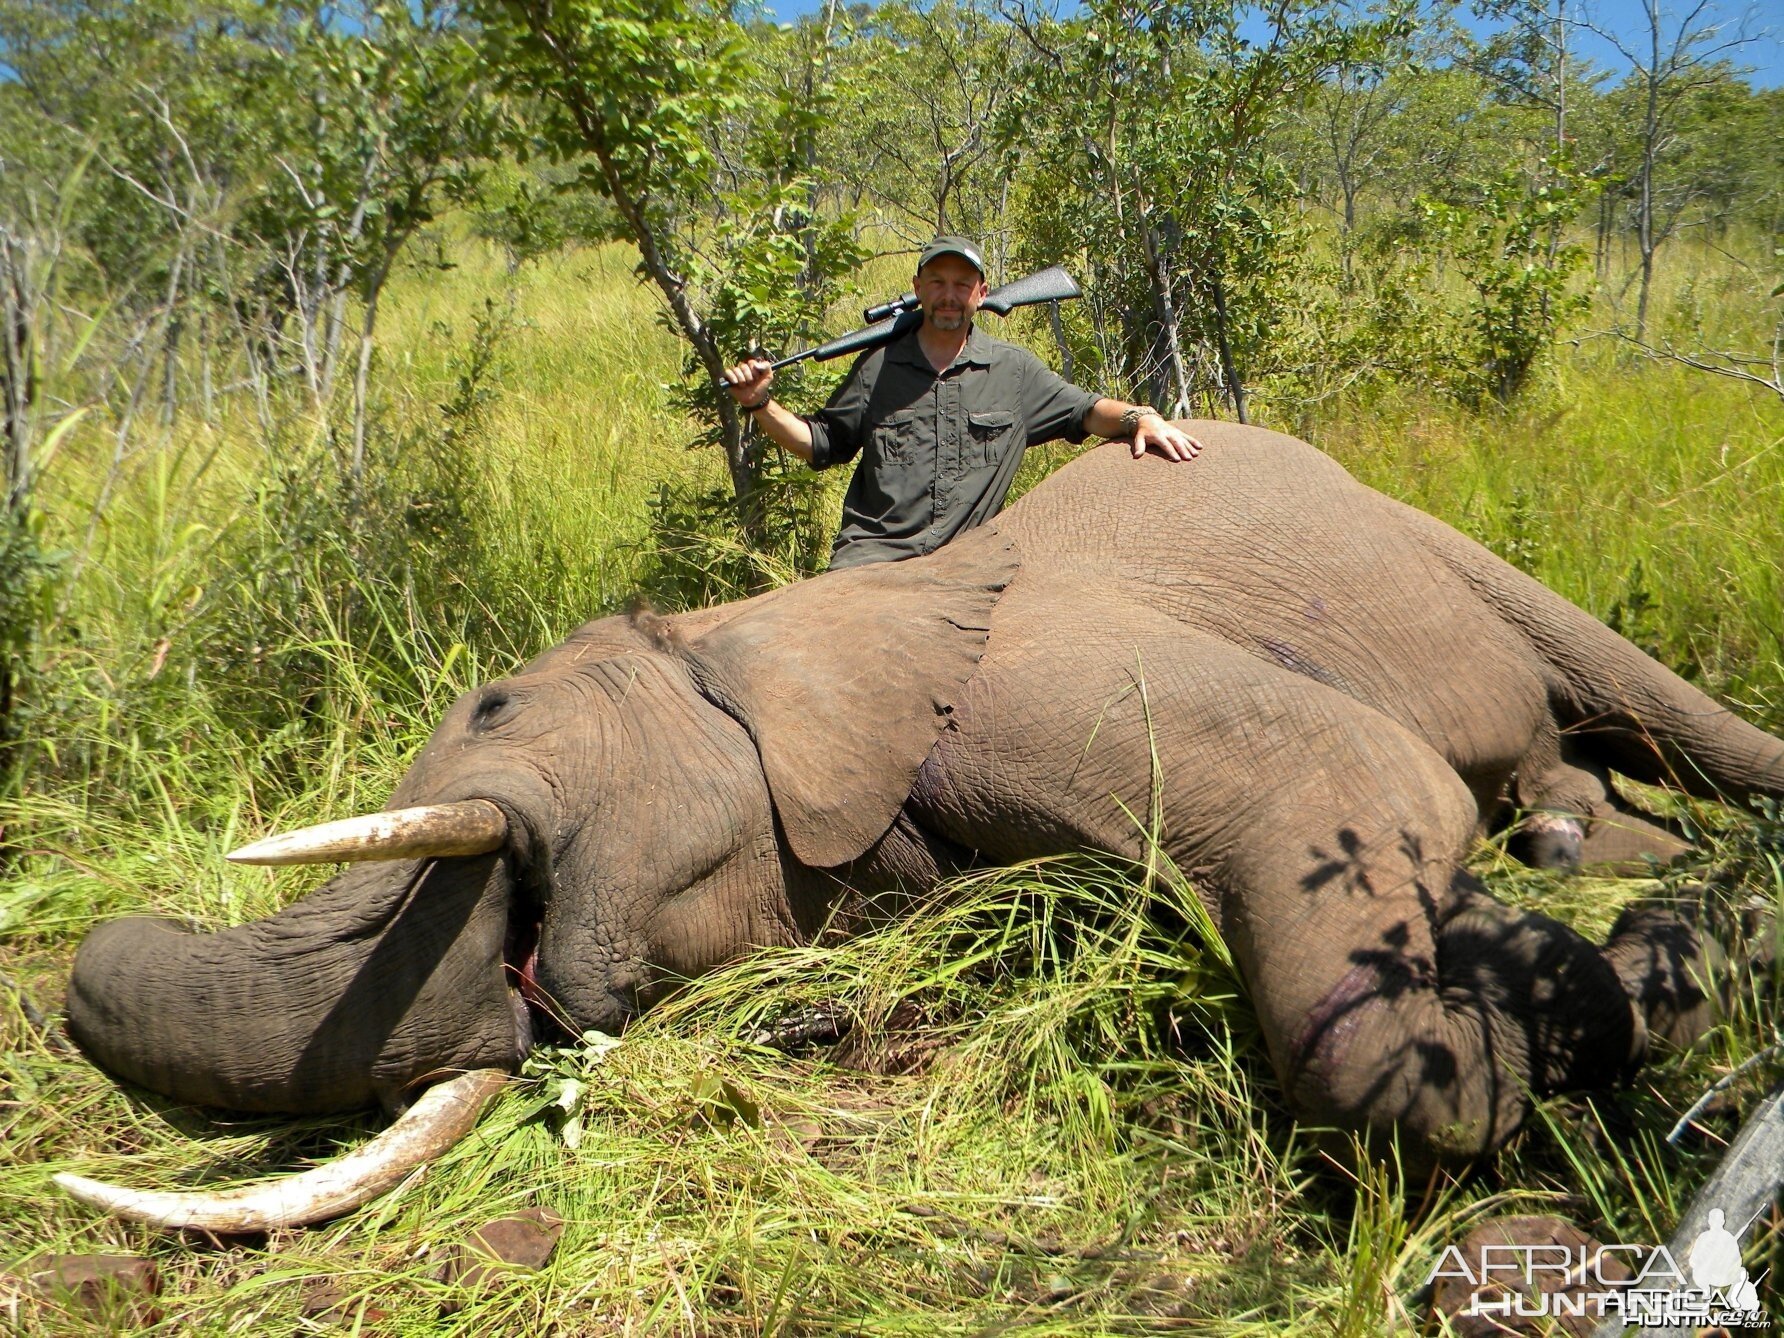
(887, 310)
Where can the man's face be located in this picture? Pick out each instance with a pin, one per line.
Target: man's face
(950, 290)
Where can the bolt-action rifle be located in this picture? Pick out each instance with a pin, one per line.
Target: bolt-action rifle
(889, 320)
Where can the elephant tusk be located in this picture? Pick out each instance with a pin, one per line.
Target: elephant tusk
(468, 827)
(442, 1116)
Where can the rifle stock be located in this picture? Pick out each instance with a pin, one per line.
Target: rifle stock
(1049, 285)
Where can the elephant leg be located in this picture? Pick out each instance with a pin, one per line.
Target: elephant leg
(1578, 820)
(1392, 994)
(1622, 839)
(1396, 996)
(1447, 1050)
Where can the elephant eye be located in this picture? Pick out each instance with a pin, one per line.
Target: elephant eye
(493, 707)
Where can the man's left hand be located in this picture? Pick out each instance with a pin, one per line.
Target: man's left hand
(1171, 442)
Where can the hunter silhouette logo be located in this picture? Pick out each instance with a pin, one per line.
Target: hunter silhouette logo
(1640, 1284)
(1715, 1263)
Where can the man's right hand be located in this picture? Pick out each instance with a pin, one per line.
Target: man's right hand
(748, 382)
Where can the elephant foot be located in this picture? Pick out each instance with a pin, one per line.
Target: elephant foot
(1672, 973)
(1548, 840)
(1574, 819)
(1622, 841)
(1612, 839)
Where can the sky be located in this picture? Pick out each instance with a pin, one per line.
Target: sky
(1764, 55)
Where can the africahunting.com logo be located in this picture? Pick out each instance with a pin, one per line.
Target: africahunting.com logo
(1639, 1284)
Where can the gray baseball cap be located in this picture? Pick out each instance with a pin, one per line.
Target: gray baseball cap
(953, 246)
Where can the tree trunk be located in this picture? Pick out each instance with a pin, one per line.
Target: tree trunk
(206, 390)
(18, 389)
(1601, 250)
(170, 371)
(172, 322)
(1059, 341)
(817, 74)
(18, 375)
(1650, 150)
(1229, 368)
(1164, 303)
(1169, 328)
(375, 282)
(1002, 253)
(1554, 247)
(362, 375)
(643, 233)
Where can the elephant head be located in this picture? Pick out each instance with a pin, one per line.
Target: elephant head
(639, 804)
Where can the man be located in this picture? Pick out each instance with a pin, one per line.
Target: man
(941, 417)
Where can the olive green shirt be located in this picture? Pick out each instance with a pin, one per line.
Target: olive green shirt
(938, 449)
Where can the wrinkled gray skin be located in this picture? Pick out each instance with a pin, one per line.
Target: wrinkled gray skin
(1342, 692)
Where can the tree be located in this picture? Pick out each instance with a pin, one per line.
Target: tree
(1151, 126)
(931, 96)
(261, 165)
(1728, 154)
(1673, 58)
(1502, 233)
(1530, 63)
(380, 117)
(1375, 120)
(652, 96)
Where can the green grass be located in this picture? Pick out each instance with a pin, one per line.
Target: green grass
(1052, 1113)
(580, 429)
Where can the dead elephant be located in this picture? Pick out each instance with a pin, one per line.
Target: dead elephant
(1333, 694)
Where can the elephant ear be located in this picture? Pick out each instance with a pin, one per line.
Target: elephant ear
(846, 680)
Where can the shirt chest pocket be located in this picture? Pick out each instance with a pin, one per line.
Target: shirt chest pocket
(894, 437)
(988, 436)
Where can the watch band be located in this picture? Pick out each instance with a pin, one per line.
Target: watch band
(1131, 416)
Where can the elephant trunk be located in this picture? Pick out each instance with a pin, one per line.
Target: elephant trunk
(390, 973)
